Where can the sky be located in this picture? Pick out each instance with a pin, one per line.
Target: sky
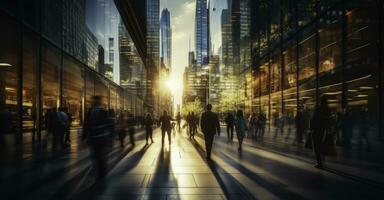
(183, 25)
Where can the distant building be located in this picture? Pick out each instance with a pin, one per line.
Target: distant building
(201, 33)
(166, 38)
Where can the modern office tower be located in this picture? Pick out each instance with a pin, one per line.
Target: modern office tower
(201, 33)
(54, 65)
(226, 38)
(191, 58)
(166, 38)
(132, 69)
(103, 19)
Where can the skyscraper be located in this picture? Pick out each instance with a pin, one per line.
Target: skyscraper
(153, 57)
(166, 38)
(201, 32)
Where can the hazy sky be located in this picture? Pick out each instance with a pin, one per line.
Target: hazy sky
(183, 26)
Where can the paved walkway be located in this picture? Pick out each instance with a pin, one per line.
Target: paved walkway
(179, 171)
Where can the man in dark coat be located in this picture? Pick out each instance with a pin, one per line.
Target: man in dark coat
(166, 127)
(209, 124)
(98, 132)
(230, 122)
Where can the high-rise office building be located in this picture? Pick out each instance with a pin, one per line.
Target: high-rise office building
(226, 38)
(166, 38)
(201, 32)
(153, 54)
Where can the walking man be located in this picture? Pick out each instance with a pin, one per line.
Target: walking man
(230, 121)
(209, 125)
(166, 127)
(98, 132)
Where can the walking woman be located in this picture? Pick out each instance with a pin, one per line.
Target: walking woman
(320, 125)
(241, 127)
(148, 127)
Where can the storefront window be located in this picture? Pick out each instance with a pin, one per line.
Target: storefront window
(265, 87)
(290, 79)
(362, 70)
(307, 69)
(90, 89)
(276, 86)
(30, 66)
(101, 89)
(330, 68)
(73, 85)
(9, 55)
(50, 70)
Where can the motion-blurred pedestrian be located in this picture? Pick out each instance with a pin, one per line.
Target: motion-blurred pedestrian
(241, 128)
(98, 132)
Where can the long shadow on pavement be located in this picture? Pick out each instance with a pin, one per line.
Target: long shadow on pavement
(230, 193)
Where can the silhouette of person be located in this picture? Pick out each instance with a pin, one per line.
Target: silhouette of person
(131, 123)
(98, 132)
(67, 139)
(209, 124)
(241, 127)
(148, 127)
(178, 118)
(62, 125)
(229, 122)
(189, 122)
(122, 126)
(320, 124)
(299, 126)
(166, 127)
(194, 122)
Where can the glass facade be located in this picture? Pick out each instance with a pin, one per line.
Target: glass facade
(331, 48)
(36, 74)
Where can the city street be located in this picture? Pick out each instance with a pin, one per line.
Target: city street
(180, 171)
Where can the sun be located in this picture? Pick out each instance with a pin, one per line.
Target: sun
(174, 85)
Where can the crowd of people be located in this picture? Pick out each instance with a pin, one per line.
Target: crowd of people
(321, 130)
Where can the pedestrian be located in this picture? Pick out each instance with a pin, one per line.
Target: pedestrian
(98, 132)
(194, 122)
(148, 127)
(189, 122)
(178, 119)
(166, 128)
(253, 125)
(67, 139)
(62, 126)
(131, 123)
(320, 125)
(229, 122)
(299, 126)
(122, 128)
(261, 121)
(241, 127)
(209, 124)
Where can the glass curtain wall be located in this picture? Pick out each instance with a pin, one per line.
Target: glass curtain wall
(327, 48)
(36, 74)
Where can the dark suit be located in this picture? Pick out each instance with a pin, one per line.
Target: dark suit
(209, 124)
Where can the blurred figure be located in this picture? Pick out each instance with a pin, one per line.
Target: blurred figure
(67, 139)
(209, 124)
(148, 127)
(189, 122)
(253, 125)
(299, 121)
(131, 123)
(241, 127)
(194, 122)
(62, 126)
(261, 122)
(229, 122)
(5, 125)
(98, 132)
(166, 128)
(364, 129)
(178, 119)
(122, 128)
(320, 125)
